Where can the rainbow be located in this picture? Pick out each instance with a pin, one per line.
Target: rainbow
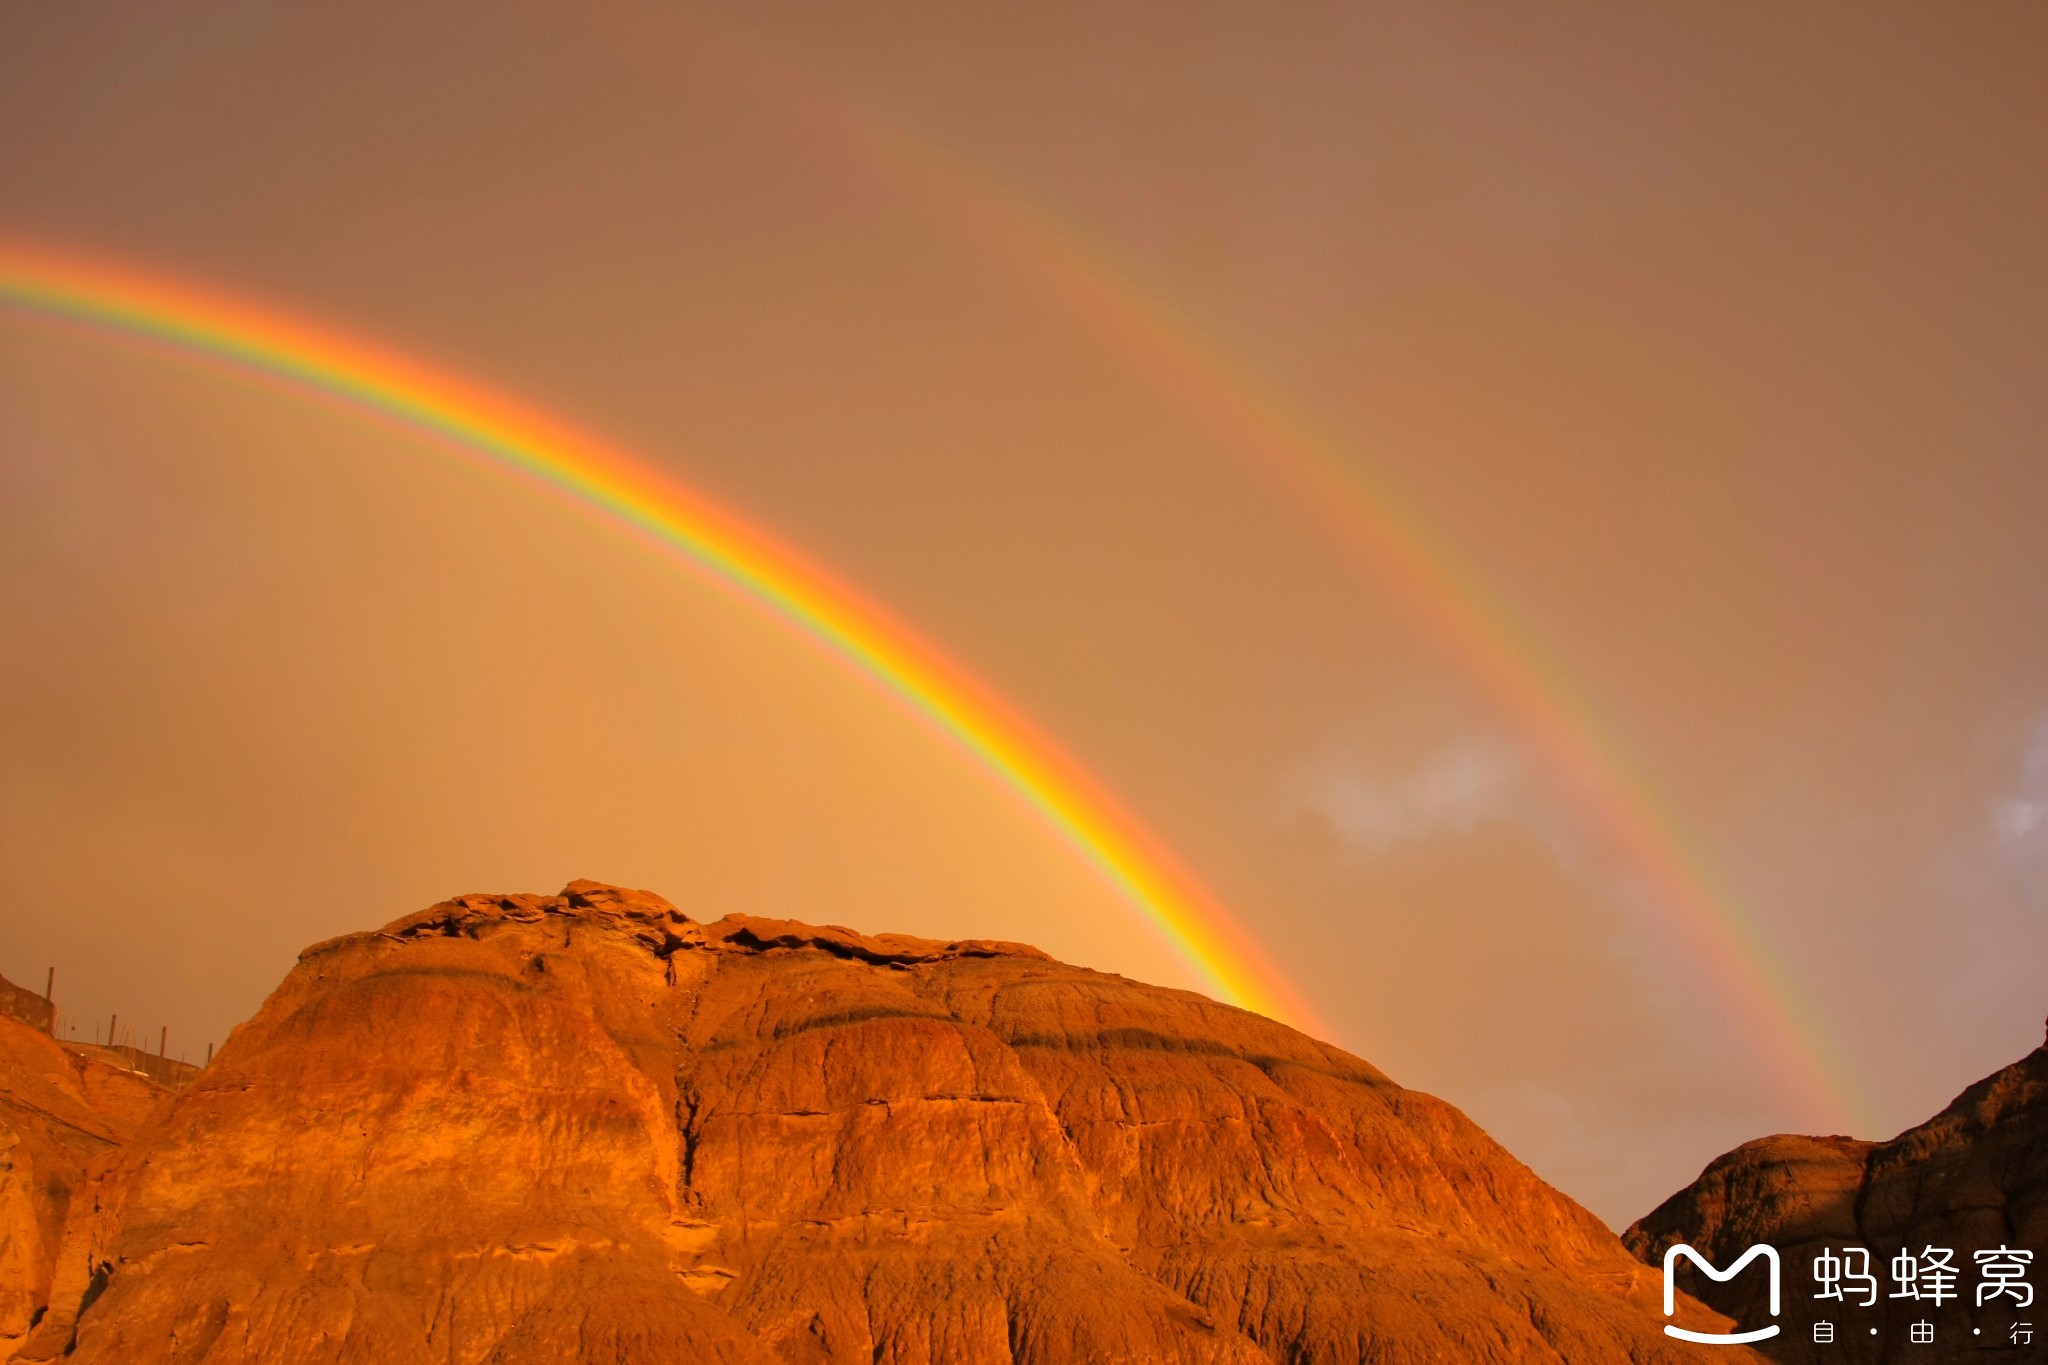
(632, 494)
(1367, 523)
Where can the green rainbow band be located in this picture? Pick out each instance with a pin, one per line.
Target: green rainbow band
(605, 480)
(1390, 545)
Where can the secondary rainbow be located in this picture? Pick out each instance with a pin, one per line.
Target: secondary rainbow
(1281, 443)
(514, 438)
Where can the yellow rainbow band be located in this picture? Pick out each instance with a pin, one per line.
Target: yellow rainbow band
(1219, 393)
(1390, 545)
(606, 481)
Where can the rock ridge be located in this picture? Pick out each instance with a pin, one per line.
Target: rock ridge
(656, 923)
(518, 1129)
(1974, 1176)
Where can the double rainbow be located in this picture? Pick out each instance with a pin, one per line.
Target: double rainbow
(603, 480)
(1367, 524)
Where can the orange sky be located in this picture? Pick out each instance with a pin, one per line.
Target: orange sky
(1714, 341)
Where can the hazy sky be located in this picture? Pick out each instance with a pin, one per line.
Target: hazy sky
(1713, 339)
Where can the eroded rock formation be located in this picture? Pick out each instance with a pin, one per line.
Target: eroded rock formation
(586, 1128)
(1973, 1177)
(59, 1110)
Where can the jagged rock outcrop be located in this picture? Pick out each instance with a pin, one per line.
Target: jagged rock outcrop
(1973, 1177)
(519, 1129)
(59, 1110)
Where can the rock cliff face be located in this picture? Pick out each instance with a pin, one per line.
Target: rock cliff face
(586, 1128)
(1975, 1176)
(58, 1112)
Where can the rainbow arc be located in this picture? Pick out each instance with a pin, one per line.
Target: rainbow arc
(633, 494)
(1367, 524)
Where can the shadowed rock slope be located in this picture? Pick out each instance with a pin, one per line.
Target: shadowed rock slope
(59, 1110)
(518, 1129)
(1975, 1176)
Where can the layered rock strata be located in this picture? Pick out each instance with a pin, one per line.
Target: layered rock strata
(585, 1127)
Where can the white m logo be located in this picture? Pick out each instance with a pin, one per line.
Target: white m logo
(1769, 1253)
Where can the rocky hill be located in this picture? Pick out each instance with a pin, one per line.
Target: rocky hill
(585, 1127)
(1973, 1177)
(59, 1111)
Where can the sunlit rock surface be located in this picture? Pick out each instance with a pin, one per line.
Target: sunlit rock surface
(1973, 1177)
(587, 1128)
(59, 1110)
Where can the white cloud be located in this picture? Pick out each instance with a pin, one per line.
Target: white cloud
(2021, 817)
(1455, 789)
(2017, 821)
